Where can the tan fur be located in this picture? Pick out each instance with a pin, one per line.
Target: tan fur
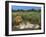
(18, 20)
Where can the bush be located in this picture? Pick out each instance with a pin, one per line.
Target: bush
(33, 17)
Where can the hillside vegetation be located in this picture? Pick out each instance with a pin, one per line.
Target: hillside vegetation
(31, 16)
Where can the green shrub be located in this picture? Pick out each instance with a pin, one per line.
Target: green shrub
(33, 17)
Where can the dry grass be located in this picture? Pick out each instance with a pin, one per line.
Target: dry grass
(31, 17)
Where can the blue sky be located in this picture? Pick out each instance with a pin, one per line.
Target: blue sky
(14, 7)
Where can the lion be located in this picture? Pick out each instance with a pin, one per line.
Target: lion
(18, 20)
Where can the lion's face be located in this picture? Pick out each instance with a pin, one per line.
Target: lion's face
(18, 20)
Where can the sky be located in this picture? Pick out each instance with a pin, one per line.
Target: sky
(14, 7)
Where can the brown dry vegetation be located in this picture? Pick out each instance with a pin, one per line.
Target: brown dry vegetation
(31, 17)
